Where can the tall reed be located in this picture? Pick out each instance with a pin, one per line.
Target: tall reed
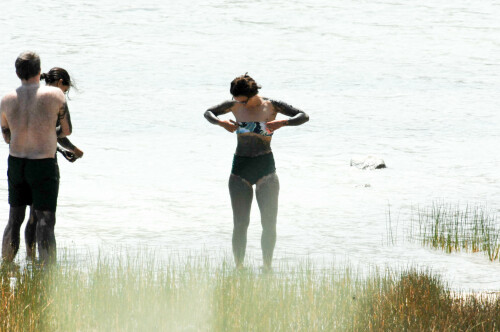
(140, 292)
(452, 228)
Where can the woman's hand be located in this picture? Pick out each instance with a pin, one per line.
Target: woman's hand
(276, 124)
(230, 125)
(70, 156)
(78, 153)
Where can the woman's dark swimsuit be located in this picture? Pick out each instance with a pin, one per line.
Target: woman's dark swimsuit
(253, 169)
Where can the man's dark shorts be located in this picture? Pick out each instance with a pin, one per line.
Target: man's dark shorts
(33, 181)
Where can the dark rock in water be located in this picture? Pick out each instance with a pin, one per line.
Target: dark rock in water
(369, 162)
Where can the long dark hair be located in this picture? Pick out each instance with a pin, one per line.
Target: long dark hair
(56, 74)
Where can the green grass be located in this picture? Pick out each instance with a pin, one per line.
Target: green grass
(141, 293)
(452, 228)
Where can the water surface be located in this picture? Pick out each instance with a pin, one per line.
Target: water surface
(415, 84)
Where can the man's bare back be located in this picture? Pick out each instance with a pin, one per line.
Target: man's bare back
(29, 115)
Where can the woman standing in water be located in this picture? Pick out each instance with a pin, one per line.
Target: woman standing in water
(253, 162)
(59, 78)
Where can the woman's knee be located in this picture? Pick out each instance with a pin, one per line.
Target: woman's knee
(241, 225)
(269, 227)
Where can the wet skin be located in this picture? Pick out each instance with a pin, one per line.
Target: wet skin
(32, 106)
(30, 235)
(71, 153)
(256, 109)
(41, 229)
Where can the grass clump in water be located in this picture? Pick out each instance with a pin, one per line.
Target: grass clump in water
(450, 228)
(139, 292)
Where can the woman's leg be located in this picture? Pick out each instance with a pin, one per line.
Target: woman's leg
(241, 192)
(45, 222)
(30, 234)
(267, 193)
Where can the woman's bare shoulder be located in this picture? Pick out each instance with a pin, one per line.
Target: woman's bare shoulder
(51, 93)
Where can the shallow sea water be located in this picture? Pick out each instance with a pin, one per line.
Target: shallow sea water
(415, 84)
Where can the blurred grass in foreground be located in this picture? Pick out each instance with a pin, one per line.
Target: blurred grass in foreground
(452, 228)
(140, 293)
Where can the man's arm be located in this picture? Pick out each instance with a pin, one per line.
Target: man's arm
(65, 128)
(5, 125)
(297, 117)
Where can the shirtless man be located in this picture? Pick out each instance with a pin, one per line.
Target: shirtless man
(28, 118)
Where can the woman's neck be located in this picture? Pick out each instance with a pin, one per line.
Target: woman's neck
(253, 102)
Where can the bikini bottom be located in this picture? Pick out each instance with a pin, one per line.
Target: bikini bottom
(253, 169)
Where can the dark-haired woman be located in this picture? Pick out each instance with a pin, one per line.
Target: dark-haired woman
(59, 78)
(253, 162)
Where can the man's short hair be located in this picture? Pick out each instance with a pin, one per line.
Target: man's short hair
(27, 65)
